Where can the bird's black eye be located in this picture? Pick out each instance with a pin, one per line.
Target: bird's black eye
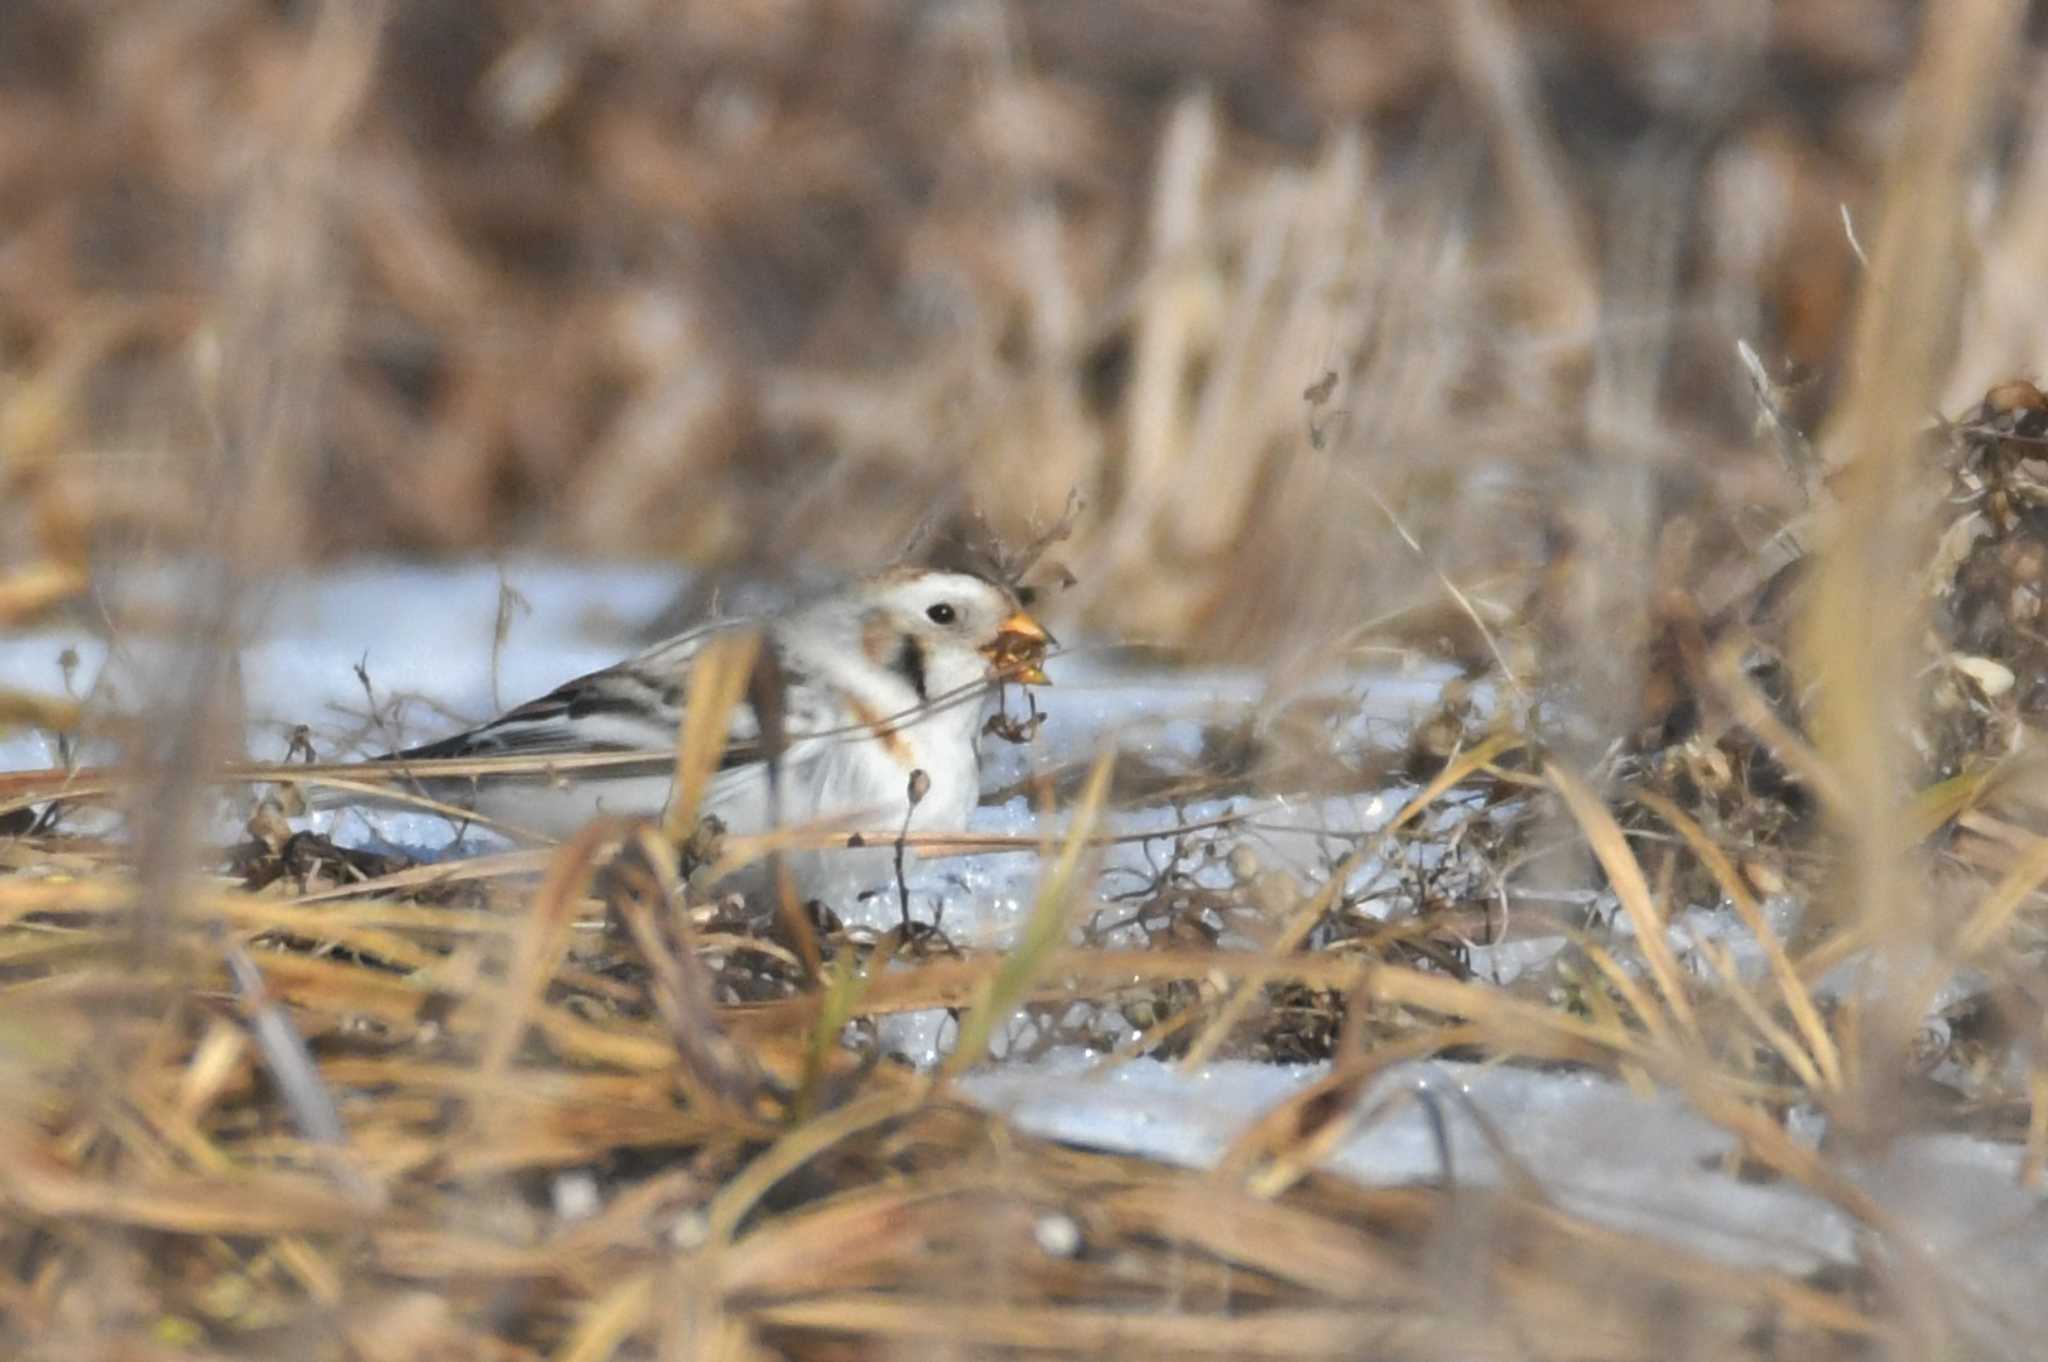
(940, 613)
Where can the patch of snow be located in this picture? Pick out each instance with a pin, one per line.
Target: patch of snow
(1643, 1165)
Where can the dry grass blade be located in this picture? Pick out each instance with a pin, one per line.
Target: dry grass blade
(718, 678)
(1044, 934)
(718, 1074)
(383, 782)
(1985, 927)
(285, 1054)
(1629, 991)
(1798, 999)
(1285, 1145)
(845, 985)
(1513, 1027)
(421, 878)
(1765, 1140)
(20, 709)
(34, 590)
(341, 991)
(607, 1322)
(1474, 759)
(2036, 1159)
(869, 1233)
(1774, 1035)
(1990, 919)
(740, 1196)
(1457, 594)
(1734, 686)
(1901, 341)
(1940, 804)
(1495, 68)
(1626, 876)
(1111, 1332)
(396, 793)
(1285, 1241)
(961, 983)
(36, 1182)
(538, 950)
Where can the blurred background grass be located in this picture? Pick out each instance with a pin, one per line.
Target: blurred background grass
(746, 282)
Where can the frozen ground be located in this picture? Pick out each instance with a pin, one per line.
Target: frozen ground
(1651, 1166)
(430, 658)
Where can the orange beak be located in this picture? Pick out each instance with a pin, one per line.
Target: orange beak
(1018, 651)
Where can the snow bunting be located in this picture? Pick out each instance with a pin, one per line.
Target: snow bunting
(878, 681)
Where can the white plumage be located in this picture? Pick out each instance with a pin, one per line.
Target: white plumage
(883, 679)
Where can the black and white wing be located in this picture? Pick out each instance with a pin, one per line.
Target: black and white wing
(634, 706)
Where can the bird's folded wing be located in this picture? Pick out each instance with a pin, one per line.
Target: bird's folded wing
(635, 706)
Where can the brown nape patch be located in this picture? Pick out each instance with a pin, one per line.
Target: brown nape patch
(902, 572)
(868, 716)
(876, 637)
